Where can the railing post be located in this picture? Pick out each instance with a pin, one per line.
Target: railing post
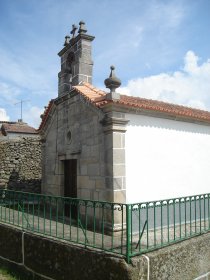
(128, 232)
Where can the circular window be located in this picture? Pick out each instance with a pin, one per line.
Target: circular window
(69, 136)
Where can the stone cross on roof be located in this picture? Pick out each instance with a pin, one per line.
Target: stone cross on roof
(82, 27)
(73, 31)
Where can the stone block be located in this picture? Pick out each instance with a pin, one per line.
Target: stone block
(109, 157)
(109, 182)
(95, 151)
(100, 183)
(96, 196)
(108, 141)
(118, 140)
(106, 195)
(85, 182)
(118, 170)
(120, 196)
(86, 151)
(83, 169)
(85, 194)
(115, 183)
(10, 243)
(119, 156)
(102, 167)
(93, 169)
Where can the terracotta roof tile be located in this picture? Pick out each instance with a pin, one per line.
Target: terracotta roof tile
(90, 92)
(45, 114)
(97, 98)
(18, 128)
(164, 107)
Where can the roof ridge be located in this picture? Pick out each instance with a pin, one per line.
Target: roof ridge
(164, 103)
(97, 98)
(45, 114)
(8, 122)
(164, 107)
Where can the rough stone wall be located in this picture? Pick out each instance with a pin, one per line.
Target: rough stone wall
(76, 64)
(20, 164)
(44, 258)
(78, 130)
(185, 260)
(75, 132)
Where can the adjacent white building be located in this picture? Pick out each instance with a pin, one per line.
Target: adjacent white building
(167, 157)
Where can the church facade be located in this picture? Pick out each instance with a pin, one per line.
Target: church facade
(105, 146)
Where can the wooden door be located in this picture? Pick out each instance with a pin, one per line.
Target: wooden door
(70, 186)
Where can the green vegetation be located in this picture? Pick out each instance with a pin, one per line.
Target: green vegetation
(6, 275)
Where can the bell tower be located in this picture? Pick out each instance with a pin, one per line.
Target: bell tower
(76, 59)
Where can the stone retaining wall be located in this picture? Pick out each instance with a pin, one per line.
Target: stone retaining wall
(185, 260)
(20, 164)
(38, 257)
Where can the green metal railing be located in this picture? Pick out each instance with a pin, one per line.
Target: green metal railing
(125, 229)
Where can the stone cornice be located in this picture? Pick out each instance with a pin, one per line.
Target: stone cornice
(139, 111)
(73, 41)
(65, 97)
(112, 124)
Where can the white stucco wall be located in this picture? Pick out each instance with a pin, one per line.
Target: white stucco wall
(165, 158)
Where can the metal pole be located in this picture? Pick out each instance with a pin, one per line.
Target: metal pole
(128, 232)
(21, 109)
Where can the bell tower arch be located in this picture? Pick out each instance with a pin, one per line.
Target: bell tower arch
(76, 60)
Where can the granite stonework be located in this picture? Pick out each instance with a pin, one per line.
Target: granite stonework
(186, 260)
(78, 130)
(37, 257)
(76, 63)
(20, 165)
(11, 243)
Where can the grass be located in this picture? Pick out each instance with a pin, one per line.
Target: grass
(7, 275)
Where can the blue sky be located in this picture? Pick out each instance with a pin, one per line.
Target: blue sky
(161, 49)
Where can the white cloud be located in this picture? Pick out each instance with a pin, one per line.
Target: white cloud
(190, 86)
(32, 116)
(3, 115)
(191, 63)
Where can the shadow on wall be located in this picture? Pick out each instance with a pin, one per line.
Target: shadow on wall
(17, 183)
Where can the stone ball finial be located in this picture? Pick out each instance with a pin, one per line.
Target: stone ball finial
(112, 82)
(67, 40)
(82, 27)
